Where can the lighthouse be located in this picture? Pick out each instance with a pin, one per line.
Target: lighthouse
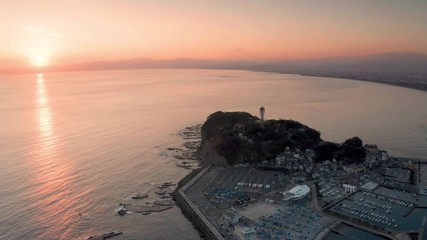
(261, 113)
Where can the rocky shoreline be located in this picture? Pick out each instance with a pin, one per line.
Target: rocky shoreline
(104, 236)
(142, 203)
(186, 154)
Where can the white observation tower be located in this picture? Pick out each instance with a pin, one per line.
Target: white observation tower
(261, 113)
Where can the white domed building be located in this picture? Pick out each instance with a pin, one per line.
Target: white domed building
(296, 193)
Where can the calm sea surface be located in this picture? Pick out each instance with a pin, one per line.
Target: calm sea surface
(83, 142)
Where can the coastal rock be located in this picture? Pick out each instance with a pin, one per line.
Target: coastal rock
(131, 208)
(164, 202)
(121, 210)
(104, 236)
(140, 196)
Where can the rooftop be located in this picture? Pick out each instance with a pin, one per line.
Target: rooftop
(296, 192)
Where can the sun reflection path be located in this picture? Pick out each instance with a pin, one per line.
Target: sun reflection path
(44, 115)
(55, 196)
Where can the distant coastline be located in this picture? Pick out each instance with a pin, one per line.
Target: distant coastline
(411, 85)
(374, 78)
(403, 69)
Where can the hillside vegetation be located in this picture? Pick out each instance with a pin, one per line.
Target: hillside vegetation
(242, 138)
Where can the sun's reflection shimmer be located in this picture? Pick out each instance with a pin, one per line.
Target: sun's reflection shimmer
(54, 194)
(44, 116)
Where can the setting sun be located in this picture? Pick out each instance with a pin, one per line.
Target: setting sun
(39, 61)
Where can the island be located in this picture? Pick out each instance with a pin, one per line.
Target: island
(278, 179)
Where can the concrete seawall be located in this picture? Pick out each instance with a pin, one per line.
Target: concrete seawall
(190, 211)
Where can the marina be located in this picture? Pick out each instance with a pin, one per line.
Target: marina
(378, 210)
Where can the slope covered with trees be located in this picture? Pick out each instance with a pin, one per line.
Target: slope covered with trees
(242, 138)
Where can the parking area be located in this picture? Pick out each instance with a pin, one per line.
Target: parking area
(239, 184)
(259, 209)
(330, 191)
(293, 222)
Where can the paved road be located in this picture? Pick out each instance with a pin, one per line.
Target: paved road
(314, 199)
(195, 193)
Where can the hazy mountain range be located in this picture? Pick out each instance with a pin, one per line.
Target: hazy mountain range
(405, 69)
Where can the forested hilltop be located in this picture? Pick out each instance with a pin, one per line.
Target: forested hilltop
(240, 137)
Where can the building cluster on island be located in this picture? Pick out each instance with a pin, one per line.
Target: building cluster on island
(293, 161)
(277, 179)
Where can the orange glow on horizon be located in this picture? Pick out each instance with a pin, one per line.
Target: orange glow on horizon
(83, 31)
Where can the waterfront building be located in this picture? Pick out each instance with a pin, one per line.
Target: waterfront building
(370, 186)
(230, 218)
(374, 156)
(296, 193)
(354, 168)
(398, 174)
(245, 233)
(299, 176)
(423, 191)
(349, 188)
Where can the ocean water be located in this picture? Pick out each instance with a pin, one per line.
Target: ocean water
(82, 142)
(352, 233)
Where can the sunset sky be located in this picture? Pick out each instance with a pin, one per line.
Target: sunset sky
(71, 31)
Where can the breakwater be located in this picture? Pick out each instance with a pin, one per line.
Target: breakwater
(190, 211)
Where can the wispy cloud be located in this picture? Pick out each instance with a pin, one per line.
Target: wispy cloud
(56, 35)
(33, 29)
(37, 30)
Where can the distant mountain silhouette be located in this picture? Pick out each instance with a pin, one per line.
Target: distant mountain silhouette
(240, 54)
(410, 63)
(404, 69)
(147, 63)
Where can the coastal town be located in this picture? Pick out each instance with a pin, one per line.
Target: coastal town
(296, 196)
